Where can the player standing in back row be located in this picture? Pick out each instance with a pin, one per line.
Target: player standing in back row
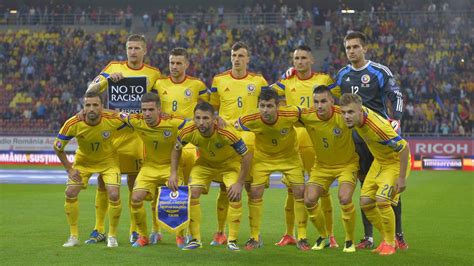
(375, 84)
(235, 93)
(297, 90)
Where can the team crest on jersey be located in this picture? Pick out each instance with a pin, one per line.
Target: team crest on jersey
(219, 145)
(284, 131)
(337, 131)
(167, 133)
(188, 93)
(105, 134)
(251, 89)
(365, 79)
(58, 144)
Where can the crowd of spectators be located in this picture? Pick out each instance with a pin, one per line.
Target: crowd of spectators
(431, 57)
(65, 13)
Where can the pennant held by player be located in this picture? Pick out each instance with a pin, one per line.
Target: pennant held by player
(173, 208)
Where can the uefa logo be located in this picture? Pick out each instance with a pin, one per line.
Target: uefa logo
(337, 131)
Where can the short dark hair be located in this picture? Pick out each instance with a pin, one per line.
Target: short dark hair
(304, 48)
(321, 89)
(136, 38)
(180, 51)
(348, 98)
(267, 94)
(93, 94)
(356, 35)
(204, 106)
(151, 97)
(238, 45)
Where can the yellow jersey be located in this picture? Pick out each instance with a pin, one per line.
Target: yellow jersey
(126, 142)
(273, 141)
(298, 91)
(151, 73)
(236, 97)
(383, 142)
(332, 139)
(181, 98)
(159, 140)
(224, 144)
(96, 151)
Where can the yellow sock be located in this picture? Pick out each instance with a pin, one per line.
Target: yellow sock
(317, 218)
(195, 215)
(301, 218)
(139, 213)
(71, 207)
(115, 209)
(326, 208)
(155, 227)
(133, 224)
(234, 214)
(373, 215)
(222, 209)
(387, 216)
(290, 213)
(101, 206)
(255, 217)
(348, 219)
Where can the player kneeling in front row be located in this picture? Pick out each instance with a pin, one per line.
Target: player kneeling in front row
(159, 136)
(387, 174)
(336, 157)
(95, 154)
(276, 149)
(222, 154)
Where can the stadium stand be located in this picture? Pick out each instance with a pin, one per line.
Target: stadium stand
(46, 70)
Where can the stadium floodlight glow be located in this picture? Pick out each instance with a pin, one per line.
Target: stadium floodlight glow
(348, 11)
(13, 11)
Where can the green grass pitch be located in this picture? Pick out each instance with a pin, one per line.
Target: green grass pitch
(437, 216)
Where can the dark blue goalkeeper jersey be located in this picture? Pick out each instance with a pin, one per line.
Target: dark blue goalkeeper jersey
(374, 83)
